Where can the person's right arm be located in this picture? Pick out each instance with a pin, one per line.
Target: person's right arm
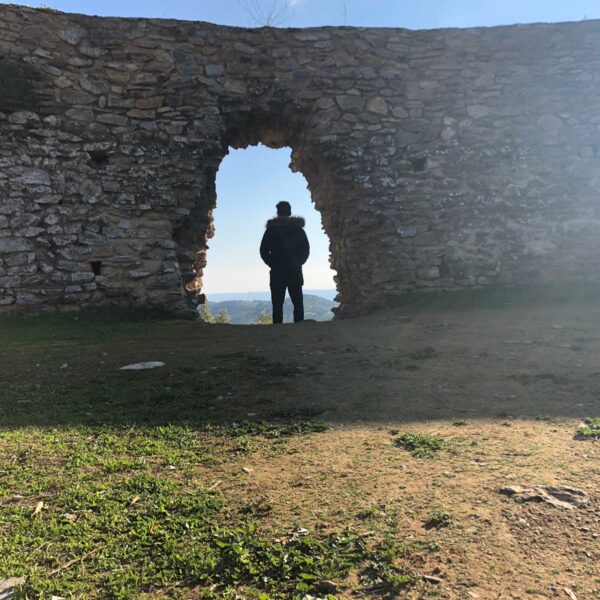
(265, 248)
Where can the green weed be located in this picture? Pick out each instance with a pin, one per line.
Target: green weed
(117, 521)
(590, 430)
(439, 518)
(371, 512)
(420, 445)
(267, 430)
(386, 572)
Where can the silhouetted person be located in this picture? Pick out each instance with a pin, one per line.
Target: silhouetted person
(285, 249)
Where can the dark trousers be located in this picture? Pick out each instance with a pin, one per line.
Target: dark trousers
(278, 298)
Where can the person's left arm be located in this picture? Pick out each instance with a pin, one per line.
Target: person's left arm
(305, 248)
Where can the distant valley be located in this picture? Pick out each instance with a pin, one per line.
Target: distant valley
(264, 295)
(246, 312)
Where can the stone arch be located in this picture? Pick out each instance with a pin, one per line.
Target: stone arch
(277, 125)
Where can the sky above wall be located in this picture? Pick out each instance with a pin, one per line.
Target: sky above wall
(250, 182)
(423, 14)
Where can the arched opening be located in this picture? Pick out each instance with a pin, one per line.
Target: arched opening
(249, 183)
(275, 125)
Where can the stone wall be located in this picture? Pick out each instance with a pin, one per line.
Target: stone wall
(438, 159)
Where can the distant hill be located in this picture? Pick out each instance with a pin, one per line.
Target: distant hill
(264, 295)
(245, 312)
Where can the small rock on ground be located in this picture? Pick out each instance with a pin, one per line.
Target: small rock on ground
(152, 364)
(558, 496)
(8, 587)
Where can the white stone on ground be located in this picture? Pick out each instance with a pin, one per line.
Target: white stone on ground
(152, 364)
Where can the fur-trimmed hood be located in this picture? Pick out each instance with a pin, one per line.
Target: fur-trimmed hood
(279, 221)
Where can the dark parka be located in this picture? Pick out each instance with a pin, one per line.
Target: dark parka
(285, 249)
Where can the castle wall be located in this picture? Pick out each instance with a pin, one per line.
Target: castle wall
(438, 159)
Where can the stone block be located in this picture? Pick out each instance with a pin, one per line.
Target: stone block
(112, 119)
(214, 70)
(141, 114)
(34, 176)
(94, 86)
(10, 282)
(428, 273)
(70, 96)
(150, 103)
(550, 123)
(478, 111)
(72, 35)
(75, 253)
(350, 102)
(377, 106)
(9, 245)
(23, 117)
(80, 114)
(82, 277)
(115, 101)
(28, 299)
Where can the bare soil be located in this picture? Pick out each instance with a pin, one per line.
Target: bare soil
(506, 387)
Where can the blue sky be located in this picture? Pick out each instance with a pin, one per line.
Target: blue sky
(414, 14)
(245, 200)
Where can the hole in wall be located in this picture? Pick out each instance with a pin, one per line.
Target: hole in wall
(98, 159)
(17, 85)
(419, 164)
(96, 266)
(249, 184)
(445, 270)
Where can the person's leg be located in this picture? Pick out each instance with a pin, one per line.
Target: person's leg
(277, 299)
(298, 302)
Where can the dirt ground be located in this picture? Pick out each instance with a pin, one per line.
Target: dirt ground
(505, 387)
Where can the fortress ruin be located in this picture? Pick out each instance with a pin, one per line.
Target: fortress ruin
(437, 159)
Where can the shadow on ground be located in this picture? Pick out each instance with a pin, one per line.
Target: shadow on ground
(487, 355)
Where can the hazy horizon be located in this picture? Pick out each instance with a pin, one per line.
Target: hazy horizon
(328, 294)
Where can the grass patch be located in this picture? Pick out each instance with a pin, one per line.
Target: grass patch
(420, 445)
(370, 512)
(98, 324)
(388, 571)
(268, 430)
(126, 536)
(125, 469)
(129, 511)
(439, 518)
(64, 370)
(590, 430)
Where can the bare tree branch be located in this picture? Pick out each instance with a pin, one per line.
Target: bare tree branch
(267, 13)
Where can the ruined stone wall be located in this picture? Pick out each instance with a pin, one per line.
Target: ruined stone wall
(438, 159)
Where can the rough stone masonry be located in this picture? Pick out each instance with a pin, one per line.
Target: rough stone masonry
(438, 159)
